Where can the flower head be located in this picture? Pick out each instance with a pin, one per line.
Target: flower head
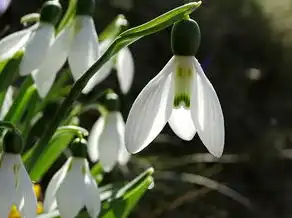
(106, 139)
(181, 95)
(73, 187)
(15, 185)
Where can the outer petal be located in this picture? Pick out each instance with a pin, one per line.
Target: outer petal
(124, 155)
(182, 124)
(56, 57)
(8, 100)
(125, 69)
(93, 140)
(85, 49)
(110, 142)
(50, 202)
(150, 111)
(29, 209)
(207, 113)
(37, 48)
(71, 194)
(92, 198)
(7, 184)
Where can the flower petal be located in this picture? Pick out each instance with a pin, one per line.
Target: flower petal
(93, 139)
(182, 124)
(37, 48)
(50, 202)
(8, 100)
(13, 43)
(85, 49)
(110, 142)
(207, 113)
(124, 155)
(92, 198)
(71, 193)
(150, 111)
(56, 57)
(125, 69)
(7, 184)
(29, 208)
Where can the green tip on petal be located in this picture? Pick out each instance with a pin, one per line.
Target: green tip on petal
(51, 12)
(12, 143)
(85, 7)
(185, 38)
(79, 148)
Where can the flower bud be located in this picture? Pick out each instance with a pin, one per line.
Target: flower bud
(79, 148)
(85, 7)
(185, 38)
(12, 143)
(51, 12)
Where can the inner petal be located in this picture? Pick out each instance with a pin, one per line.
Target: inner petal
(182, 78)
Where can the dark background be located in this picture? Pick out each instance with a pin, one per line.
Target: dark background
(246, 51)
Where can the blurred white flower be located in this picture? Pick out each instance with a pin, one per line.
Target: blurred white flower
(73, 188)
(106, 141)
(123, 63)
(4, 5)
(16, 187)
(181, 95)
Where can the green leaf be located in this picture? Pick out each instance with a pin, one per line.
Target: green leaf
(68, 15)
(114, 28)
(121, 41)
(126, 198)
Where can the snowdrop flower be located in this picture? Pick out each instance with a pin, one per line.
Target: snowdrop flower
(84, 50)
(106, 139)
(181, 95)
(42, 39)
(123, 62)
(73, 187)
(16, 188)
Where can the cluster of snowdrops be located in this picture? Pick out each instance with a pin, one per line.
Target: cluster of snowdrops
(43, 55)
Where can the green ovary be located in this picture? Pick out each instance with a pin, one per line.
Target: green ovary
(182, 86)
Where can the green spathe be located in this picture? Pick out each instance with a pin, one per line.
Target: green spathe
(185, 38)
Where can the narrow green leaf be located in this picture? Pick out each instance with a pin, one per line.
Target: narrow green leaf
(68, 15)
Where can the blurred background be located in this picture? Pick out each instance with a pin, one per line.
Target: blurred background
(246, 51)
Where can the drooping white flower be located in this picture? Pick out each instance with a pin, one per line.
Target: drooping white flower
(181, 95)
(73, 186)
(16, 188)
(106, 141)
(42, 39)
(123, 62)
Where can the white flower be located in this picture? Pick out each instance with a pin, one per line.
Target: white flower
(106, 141)
(84, 50)
(73, 188)
(124, 65)
(8, 100)
(16, 187)
(181, 95)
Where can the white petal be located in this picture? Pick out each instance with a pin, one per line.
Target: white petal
(110, 142)
(50, 202)
(182, 124)
(29, 209)
(93, 139)
(8, 195)
(124, 155)
(207, 113)
(92, 195)
(84, 50)
(150, 111)
(56, 57)
(71, 193)
(37, 48)
(8, 100)
(125, 69)
(13, 43)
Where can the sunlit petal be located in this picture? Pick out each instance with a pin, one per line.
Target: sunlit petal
(125, 69)
(182, 124)
(150, 111)
(93, 140)
(207, 113)
(85, 49)
(37, 48)
(124, 155)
